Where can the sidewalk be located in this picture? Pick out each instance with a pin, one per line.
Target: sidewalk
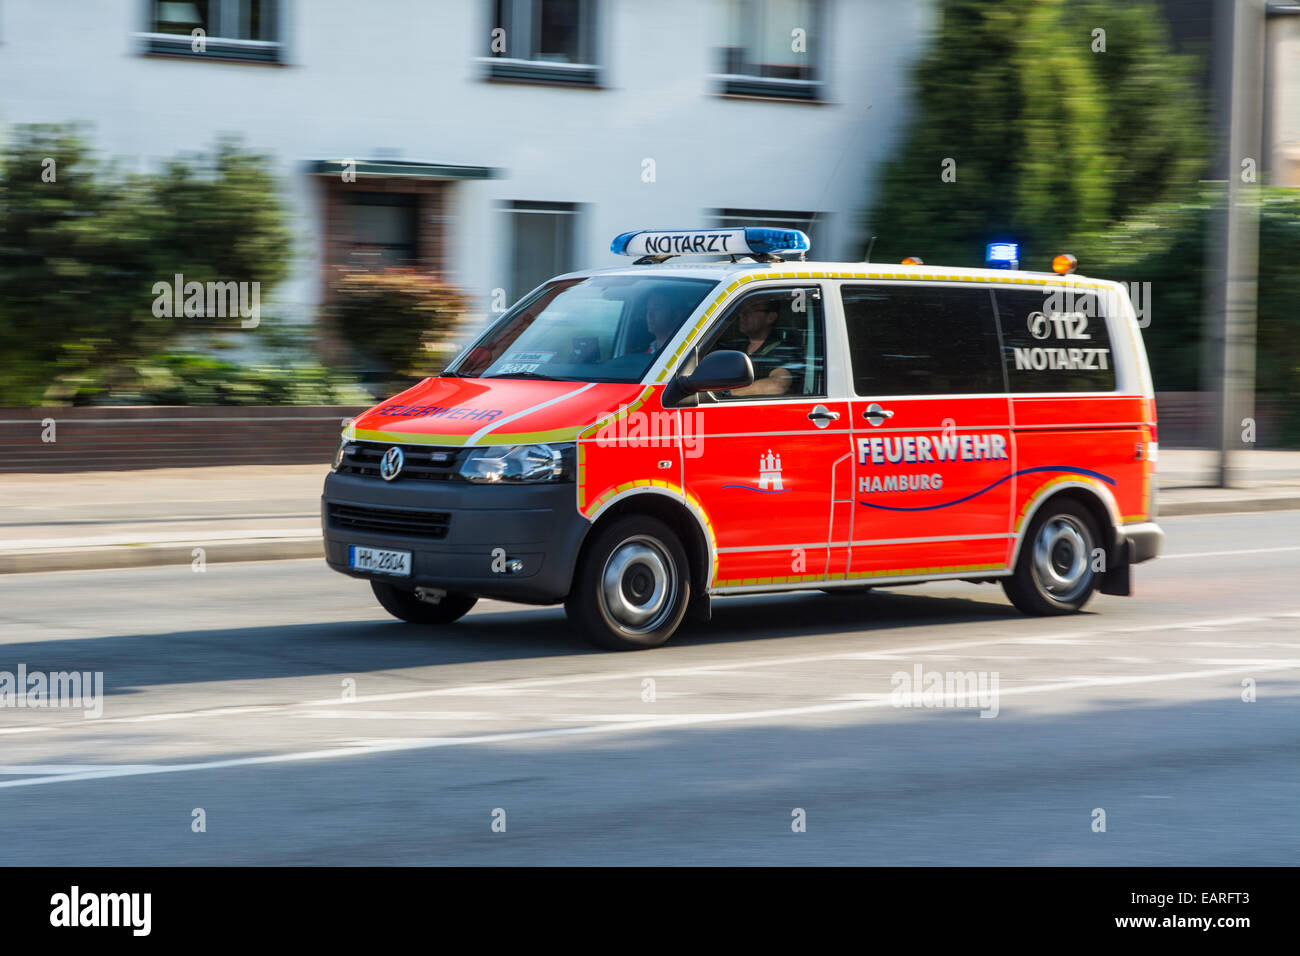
(115, 519)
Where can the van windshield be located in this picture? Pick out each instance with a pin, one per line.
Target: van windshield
(594, 329)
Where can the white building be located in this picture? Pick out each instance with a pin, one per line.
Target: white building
(496, 167)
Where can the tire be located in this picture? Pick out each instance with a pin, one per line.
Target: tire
(1054, 573)
(632, 585)
(405, 606)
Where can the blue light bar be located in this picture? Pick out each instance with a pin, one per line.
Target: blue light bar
(709, 242)
(1002, 255)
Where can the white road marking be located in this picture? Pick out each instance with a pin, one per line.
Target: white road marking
(720, 669)
(1223, 554)
(18, 769)
(431, 743)
(349, 714)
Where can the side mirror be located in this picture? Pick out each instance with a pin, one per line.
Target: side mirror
(717, 370)
(720, 370)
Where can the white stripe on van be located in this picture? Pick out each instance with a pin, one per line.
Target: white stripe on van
(527, 411)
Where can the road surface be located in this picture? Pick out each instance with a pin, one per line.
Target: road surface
(224, 692)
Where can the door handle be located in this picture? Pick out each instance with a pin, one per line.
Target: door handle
(821, 416)
(877, 415)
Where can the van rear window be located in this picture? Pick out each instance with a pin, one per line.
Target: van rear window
(921, 340)
(1055, 339)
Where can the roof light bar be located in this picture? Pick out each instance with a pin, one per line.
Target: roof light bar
(750, 240)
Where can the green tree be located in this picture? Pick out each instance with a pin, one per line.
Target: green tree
(1053, 142)
(81, 250)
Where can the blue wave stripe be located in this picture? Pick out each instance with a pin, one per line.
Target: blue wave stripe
(761, 491)
(1024, 471)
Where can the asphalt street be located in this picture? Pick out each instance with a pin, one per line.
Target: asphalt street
(309, 728)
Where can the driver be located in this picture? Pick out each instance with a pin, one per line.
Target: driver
(775, 362)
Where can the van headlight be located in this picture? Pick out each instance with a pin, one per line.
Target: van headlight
(345, 446)
(520, 463)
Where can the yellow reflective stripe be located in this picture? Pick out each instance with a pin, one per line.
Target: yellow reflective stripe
(613, 417)
(398, 438)
(894, 573)
(523, 438)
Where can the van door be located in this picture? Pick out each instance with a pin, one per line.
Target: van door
(770, 459)
(934, 455)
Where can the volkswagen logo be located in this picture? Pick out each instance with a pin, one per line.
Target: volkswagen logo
(390, 466)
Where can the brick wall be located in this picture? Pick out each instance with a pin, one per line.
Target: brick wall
(119, 438)
(1187, 420)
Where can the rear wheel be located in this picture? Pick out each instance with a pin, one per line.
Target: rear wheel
(1054, 574)
(403, 604)
(631, 586)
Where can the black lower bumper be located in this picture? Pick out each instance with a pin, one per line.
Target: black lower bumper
(1146, 540)
(480, 532)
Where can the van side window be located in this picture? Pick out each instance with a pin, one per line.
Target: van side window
(921, 340)
(781, 332)
(1055, 339)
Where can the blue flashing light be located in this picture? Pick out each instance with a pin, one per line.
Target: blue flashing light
(763, 239)
(1002, 255)
(619, 245)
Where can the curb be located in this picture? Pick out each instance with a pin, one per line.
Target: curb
(160, 555)
(1225, 506)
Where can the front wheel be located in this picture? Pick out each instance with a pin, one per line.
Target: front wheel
(1054, 574)
(631, 587)
(404, 605)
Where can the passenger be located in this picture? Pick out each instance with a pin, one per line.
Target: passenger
(663, 316)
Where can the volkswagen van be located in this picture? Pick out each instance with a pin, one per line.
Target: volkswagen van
(721, 417)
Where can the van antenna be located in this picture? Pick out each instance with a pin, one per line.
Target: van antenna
(870, 246)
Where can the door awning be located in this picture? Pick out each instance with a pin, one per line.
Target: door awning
(400, 169)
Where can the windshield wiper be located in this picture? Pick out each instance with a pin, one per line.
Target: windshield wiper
(547, 378)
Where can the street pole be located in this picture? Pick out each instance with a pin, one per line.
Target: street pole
(1241, 235)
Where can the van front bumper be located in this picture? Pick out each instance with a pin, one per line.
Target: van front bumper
(462, 536)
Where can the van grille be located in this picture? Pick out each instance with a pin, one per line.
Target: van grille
(420, 462)
(416, 524)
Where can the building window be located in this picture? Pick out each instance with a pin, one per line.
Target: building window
(542, 244)
(231, 29)
(383, 228)
(813, 224)
(543, 41)
(773, 49)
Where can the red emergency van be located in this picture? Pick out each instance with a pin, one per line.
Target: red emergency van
(634, 441)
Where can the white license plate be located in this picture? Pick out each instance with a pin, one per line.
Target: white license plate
(379, 561)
